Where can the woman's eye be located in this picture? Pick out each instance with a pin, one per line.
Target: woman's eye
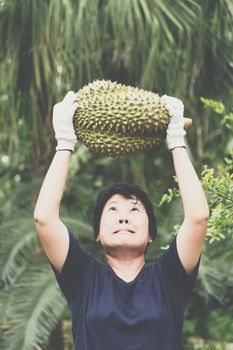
(135, 209)
(112, 208)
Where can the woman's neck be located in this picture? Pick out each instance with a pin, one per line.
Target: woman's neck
(126, 268)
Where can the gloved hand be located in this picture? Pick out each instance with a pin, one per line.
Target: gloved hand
(63, 113)
(175, 130)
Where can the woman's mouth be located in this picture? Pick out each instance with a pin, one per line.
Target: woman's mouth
(123, 230)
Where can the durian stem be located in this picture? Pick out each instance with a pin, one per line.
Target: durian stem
(187, 122)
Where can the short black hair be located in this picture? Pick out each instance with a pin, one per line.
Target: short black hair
(127, 191)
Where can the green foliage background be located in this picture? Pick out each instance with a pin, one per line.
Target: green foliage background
(181, 48)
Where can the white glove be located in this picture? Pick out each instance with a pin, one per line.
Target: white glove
(175, 130)
(63, 113)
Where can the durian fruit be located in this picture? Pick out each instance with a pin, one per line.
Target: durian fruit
(113, 119)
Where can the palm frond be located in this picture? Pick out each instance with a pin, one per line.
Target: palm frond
(31, 309)
(18, 243)
(54, 46)
(31, 303)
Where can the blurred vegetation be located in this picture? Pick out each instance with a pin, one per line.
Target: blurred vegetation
(181, 48)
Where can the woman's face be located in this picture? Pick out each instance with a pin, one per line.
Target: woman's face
(124, 224)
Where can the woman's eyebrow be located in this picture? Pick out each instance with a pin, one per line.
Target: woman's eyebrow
(111, 202)
(134, 202)
(137, 203)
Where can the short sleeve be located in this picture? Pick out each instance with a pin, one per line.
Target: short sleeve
(71, 277)
(179, 281)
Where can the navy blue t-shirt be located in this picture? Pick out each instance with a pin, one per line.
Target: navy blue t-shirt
(111, 314)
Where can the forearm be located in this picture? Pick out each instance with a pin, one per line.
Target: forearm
(193, 197)
(48, 203)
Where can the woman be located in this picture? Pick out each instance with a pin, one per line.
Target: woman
(124, 303)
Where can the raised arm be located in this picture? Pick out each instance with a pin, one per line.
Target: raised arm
(191, 235)
(52, 232)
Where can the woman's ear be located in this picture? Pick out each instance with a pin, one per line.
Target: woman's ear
(98, 238)
(150, 239)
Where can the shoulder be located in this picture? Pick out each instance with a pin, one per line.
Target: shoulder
(173, 272)
(77, 270)
(78, 253)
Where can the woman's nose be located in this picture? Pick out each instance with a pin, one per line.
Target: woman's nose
(121, 221)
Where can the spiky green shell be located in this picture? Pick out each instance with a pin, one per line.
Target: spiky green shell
(114, 119)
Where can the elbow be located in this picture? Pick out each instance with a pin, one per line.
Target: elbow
(200, 219)
(206, 215)
(39, 224)
(44, 218)
(40, 219)
(203, 220)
